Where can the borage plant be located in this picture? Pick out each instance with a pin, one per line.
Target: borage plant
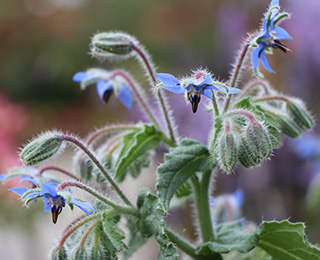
(247, 125)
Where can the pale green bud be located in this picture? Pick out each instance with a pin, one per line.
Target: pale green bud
(41, 149)
(112, 45)
(246, 157)
(258, 140)
(227, 152)
(299, 115)
(59, 253)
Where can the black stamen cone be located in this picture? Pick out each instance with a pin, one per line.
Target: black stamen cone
(194, 102)
(107, 94)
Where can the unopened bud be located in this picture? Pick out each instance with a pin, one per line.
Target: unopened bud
(258, 140)
(299, 115)
(246, 157)
(227, 149)
(41, 149)
(285, 125)
(59, 253)
(112, 44)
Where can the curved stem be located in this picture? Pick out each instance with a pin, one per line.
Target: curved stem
(253, 84)
(185, 246)
(99, 165)
(151, 73)
(282, 98)
(106, 129)
(88, 231)
(91, 191)
(59, 169)
(136, 92)
(237, 68)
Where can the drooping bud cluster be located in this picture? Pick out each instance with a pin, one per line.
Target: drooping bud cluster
(254, 127)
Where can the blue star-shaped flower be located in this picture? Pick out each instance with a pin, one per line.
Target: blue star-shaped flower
(199, 84)
(53, 200)
(106, 88)
(270, 37)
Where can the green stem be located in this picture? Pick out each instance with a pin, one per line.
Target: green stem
(137, 93)
(150, 70)
(88, 231)
(282, 98)
(237, 68)
(253, 84)
(201, 192)
(99, 165)
(185, 246)
(214, 103)
(59, 169)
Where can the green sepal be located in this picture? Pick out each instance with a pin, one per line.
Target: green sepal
(299, 115)
(80, 254)
(179, 165)
(229, 236)
(280, 17)
(59, 253)
(285, 240)
(168, 253)
(134, 146)
(184, 190)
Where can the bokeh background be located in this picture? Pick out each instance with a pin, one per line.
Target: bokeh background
(43, 43)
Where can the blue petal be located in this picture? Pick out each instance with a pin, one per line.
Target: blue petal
(167, 79)
(102, 87)
(125, 96)
(19, 190)
(84, 206)
(233, 90)
(3, 176)
(207, 93)
(48, 189)
(47, 206)
(175, 89)
(80, 76)
(29, 179)
(255, 56)
(276, 10)
(281, 33)
(221, 89)
(206, 81)
(265, 62)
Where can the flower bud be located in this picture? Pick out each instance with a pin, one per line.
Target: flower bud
(59, 253)
(112, 44)
(285, 125)
(41, 149)
(299, 115)
(246, 157)
(258, 140)
(227, 149)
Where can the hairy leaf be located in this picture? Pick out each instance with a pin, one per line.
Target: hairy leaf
(135, 145)
(180, 164)
(285, 240)
(229, 236)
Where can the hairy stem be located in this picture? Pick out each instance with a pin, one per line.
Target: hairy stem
(185, 246)
(88, 231)
(59, 169)
(151, 73)
(252, 85)
(136, 92)
(201, 192)
(99, 165)
(237, 68)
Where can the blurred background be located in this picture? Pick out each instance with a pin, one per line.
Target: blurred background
(44, 43)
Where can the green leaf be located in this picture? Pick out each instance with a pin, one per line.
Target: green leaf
(229, 236)
(180, 164)
(135, 239)
(285, 240)
(152, 223)
(111, 236)
(168, 253)
(135, 145)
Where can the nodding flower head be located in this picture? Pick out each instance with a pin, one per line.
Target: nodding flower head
(106, 87)
(198, 84)
(53, 200)
(271, 36)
